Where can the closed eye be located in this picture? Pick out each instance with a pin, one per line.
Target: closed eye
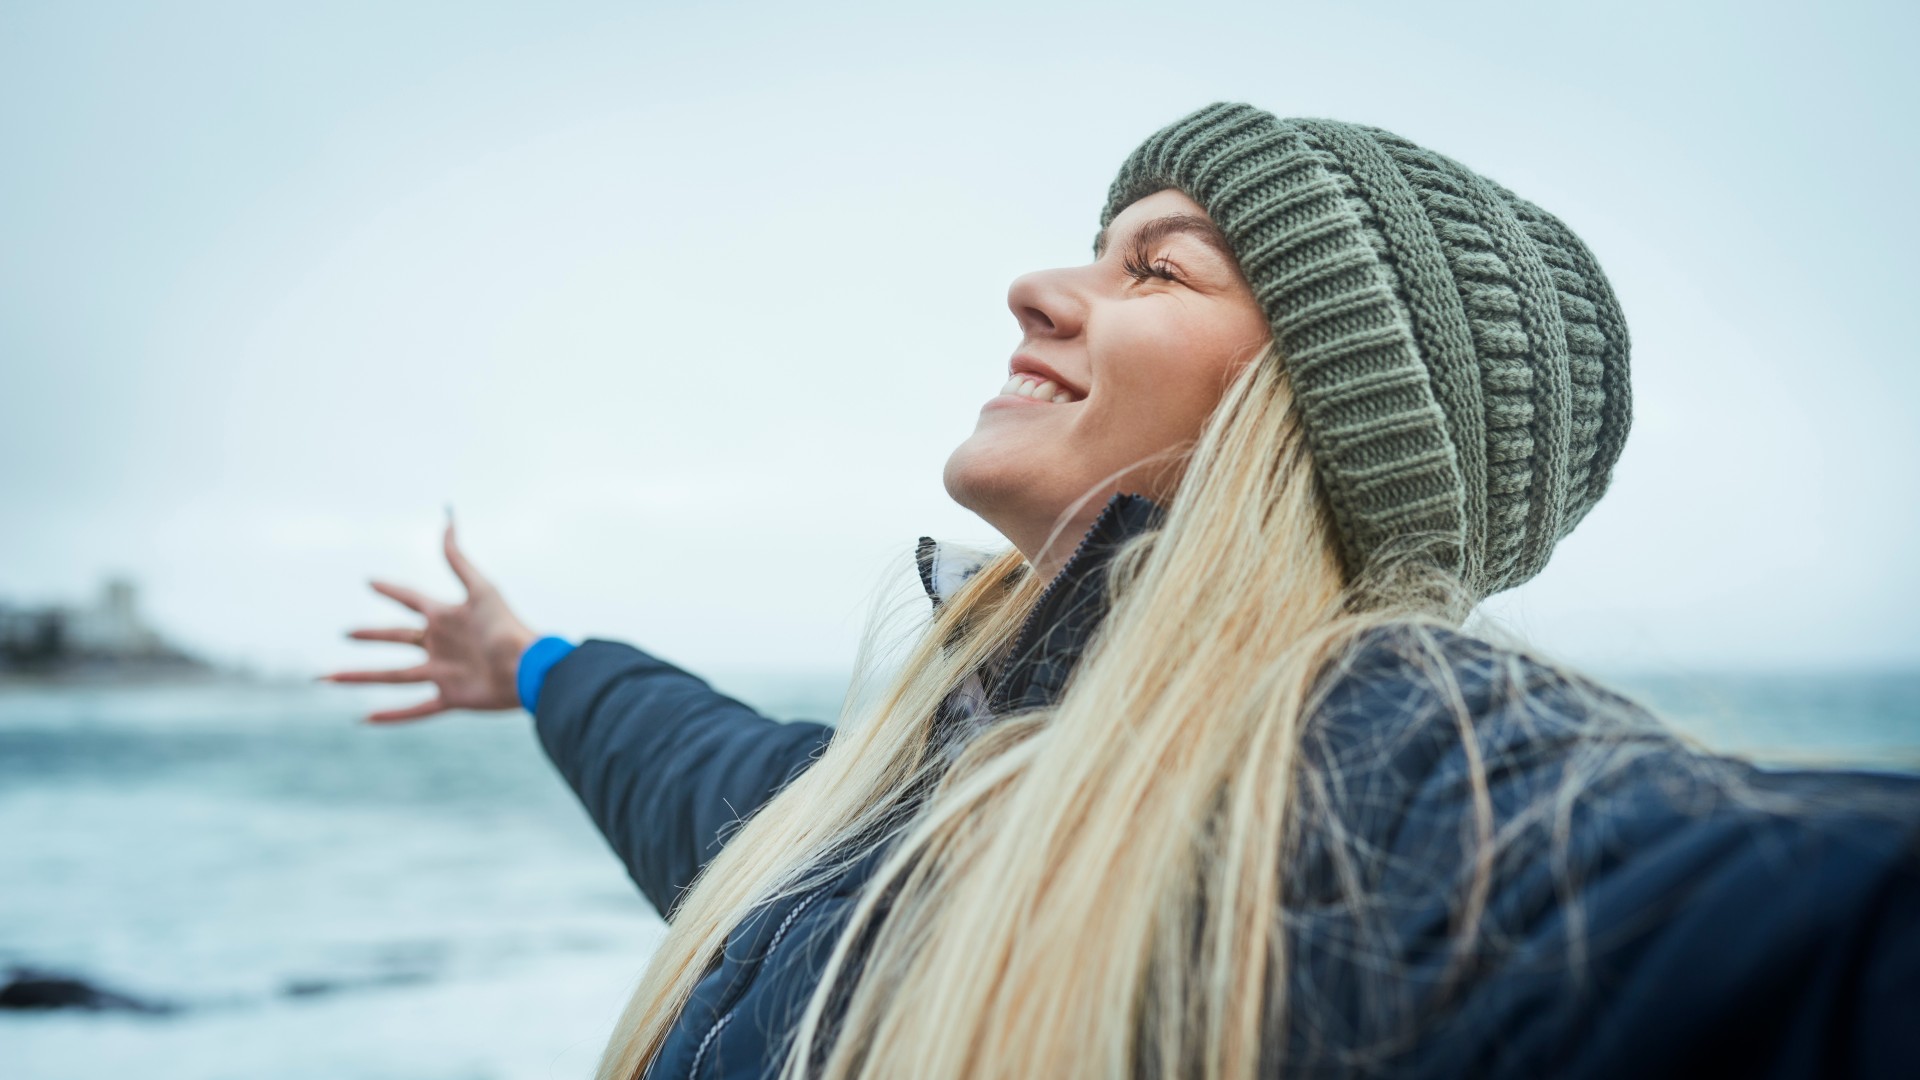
(1140, 265)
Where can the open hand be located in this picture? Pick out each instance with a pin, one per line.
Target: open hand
(473, 648)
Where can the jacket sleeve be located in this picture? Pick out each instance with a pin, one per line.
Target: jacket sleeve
(1648, 912)
(1715, 941)
(1766, 945)
(1885, 1041)
(663, 763)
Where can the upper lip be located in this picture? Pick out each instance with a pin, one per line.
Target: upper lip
(1032, 365)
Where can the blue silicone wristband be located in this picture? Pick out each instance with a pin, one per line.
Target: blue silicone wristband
(534, 665)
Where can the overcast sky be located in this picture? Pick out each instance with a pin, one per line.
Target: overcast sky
(683, 310)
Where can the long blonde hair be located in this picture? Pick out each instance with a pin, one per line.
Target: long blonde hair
(1093, 888)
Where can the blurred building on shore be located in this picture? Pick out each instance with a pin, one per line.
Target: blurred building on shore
(108, 636)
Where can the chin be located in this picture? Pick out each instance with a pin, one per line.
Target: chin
(957, 477)
(981, 480)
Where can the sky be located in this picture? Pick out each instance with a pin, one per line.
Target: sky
(682, 309)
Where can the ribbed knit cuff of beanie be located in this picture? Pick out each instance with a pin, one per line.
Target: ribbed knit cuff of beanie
(1459, 360)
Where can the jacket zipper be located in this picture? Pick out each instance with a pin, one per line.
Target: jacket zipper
(779, 934)
(996, 698)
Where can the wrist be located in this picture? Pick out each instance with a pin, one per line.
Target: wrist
(518, 641)
(538, 659)
(507, 650)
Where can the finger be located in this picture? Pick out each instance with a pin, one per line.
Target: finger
(418, 601)
(414, 674)
(411, 712)
(462, 569)
(405, 635)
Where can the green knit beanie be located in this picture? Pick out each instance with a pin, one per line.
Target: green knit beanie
(1459, 360)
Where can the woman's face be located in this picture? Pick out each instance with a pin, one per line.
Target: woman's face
(1128, 354)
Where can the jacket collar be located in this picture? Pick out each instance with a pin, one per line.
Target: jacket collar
(1056, 633)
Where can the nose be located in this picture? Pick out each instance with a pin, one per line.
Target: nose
(1045, 304)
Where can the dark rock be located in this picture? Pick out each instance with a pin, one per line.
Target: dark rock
(31, 988)
(318, 987)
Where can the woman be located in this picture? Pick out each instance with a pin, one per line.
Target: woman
(1199, 778)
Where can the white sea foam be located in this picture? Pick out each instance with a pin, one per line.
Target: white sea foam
(320, 899)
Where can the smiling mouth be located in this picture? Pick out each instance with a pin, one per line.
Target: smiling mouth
(1037, 389)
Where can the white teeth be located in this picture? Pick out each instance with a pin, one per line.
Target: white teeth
(1038, 389)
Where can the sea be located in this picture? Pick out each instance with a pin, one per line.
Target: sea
(295, 894)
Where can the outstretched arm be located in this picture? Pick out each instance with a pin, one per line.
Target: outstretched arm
(663, 763)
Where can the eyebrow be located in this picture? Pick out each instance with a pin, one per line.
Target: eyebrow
(1160, 228)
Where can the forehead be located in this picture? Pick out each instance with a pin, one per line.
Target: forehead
(1146, 208)
(1165, 201)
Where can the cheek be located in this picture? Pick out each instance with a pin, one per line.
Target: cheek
(1162, 396)
(1161, 386)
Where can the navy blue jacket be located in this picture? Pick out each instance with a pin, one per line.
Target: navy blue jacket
(1667, 931)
